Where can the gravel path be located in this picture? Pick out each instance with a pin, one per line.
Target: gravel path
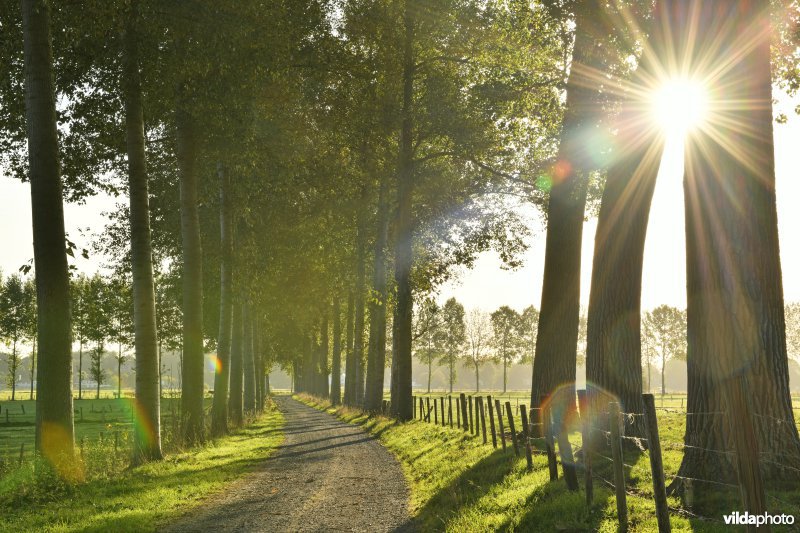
(327, 476)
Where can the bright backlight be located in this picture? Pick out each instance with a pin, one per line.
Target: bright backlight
(679, 106)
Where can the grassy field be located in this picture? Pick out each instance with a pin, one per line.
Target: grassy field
(116, 498)
(107, 419)
(460, 484)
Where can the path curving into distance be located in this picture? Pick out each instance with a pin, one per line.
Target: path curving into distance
(326, 476)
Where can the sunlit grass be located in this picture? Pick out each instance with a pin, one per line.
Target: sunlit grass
(460, 484)
(138, 499)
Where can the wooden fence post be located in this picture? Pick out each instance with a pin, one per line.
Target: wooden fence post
(414, 403)
(500, 423)
(510, 414)
(444, 420)
(483, 419)
(656, 465)
(464, 419)
(428, 409)
(615, 421)
(549, 443)
(471, 418)
(435, 412)
(491, 421)
(583, 404)
(523, 415)
(450, 409)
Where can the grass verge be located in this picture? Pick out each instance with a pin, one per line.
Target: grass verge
(460, 484)
(137, 499)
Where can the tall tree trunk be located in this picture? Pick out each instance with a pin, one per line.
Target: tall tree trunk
(80, 370)
(336, 364)
(192, 275)
(249, 363)
(613, 346)
(735, 316)
(14, 371)
(477, 379)
(323, 352)
(147, 434)
(33, 365)
(219, 409)
(349, 370)
(55, 437)
(376, 358)
(554, 363)
(257, 364)
(402, 407)
(358, 327)
(235, 404)
(430, 371)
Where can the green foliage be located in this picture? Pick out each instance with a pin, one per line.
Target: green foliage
(17, 317)
(454, 336)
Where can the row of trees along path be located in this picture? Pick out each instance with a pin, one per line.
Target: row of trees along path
(312, 180)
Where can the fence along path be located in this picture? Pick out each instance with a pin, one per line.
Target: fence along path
(614, 437)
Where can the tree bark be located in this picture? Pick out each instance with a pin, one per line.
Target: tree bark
(219, 409)
(147, 434)
(349, 370)
(324, 346)
(557, 339)
(235, 403)
(192, 275)
(613, 345)
(33, 365)
(735, 316)
(55, 437)
(248, 361)
(376, 358)
(358, 327)
(336, 364)
(402, 407)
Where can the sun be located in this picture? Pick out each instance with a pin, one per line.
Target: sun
(679, 106)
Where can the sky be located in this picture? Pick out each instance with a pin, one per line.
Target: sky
(486, 286)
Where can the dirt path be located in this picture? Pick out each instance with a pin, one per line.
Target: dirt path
(327, 476)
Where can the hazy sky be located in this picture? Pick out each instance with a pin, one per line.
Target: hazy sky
(487, 286)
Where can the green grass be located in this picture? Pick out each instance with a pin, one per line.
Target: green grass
(138, 499)
(94, 419)
(460, 484)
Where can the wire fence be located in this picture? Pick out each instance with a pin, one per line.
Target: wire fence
(603, 431)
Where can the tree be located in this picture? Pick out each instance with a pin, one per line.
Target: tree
(479, 334)
(81, 302)
(219, 410)
(30, 329)
(55, 435)
(528, 331)
(453, 337)
(568, 183)
(665, 328)
(428, 334)
(147, 435)
(120, 321)
(16, 311)
(613, 348)
(508, 336)
(736, 348)
(99, 301)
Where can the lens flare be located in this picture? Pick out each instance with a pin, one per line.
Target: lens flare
(680, 105)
